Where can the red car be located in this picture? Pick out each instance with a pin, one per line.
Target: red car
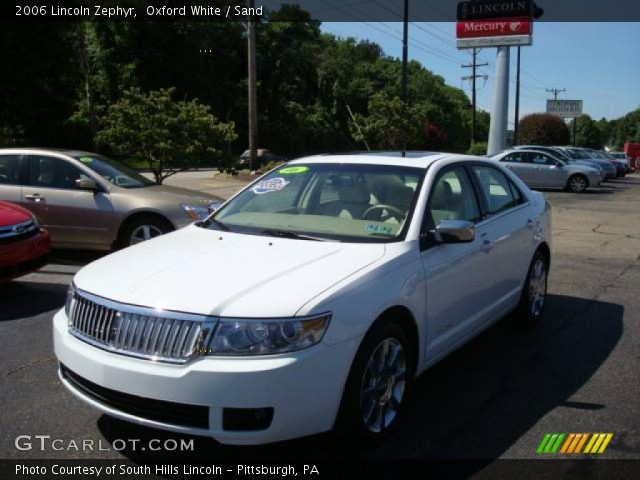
(24, 246)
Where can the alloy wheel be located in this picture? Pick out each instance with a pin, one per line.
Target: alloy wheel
(144, 233)
(578, 184)
(383, 385)
(537, 287)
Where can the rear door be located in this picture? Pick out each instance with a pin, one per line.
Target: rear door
(73, 216)
(510, 231)
(11, 178)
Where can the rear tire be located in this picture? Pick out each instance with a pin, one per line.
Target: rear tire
(530, 310)
(577, 183)
(142, 228)
(378, 383)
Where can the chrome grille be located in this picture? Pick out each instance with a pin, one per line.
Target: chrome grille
(138, 331)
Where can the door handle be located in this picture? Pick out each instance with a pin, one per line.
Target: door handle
(487, 245)
(36, 197)
(529, 223)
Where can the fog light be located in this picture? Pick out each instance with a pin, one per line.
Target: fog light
(246, 419)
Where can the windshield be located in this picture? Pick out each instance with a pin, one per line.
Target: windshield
(332, 201)
(113, 171)
(577, 154)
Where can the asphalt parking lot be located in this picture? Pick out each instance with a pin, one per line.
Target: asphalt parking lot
(496, 397)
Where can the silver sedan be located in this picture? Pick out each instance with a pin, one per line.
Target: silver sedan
(542, 170)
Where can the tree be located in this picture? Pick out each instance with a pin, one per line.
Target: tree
(169, 136)
(390, 124)
(588, 134)
(543, 129)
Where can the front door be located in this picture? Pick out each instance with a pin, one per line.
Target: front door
(73, 216)
(546, 171)
(458, 276)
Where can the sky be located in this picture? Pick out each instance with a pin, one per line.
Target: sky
(598, 63)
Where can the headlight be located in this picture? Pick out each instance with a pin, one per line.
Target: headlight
(266, 337)
(196, 212)
(69, 301)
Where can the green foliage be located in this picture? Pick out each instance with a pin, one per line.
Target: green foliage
(622, 130)
(588, 134)
(543, 129)
(478, 149)
(169, 135)
(388, 124)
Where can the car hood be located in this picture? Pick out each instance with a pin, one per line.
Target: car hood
(11, 214)
(227, 274)
(173, 195)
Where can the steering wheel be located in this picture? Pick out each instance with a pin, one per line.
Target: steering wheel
(392, 212)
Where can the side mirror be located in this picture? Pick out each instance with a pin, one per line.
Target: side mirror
(214, 206)
(454, 231)
(86, 184)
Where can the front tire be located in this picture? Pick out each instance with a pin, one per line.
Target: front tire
(534, 293)
(577, 183)
(377, 386)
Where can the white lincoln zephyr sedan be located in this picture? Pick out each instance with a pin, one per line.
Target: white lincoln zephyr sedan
(310, 300)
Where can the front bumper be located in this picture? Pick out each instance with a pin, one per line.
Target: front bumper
(304, 388)
(594, 180)
(24, 256)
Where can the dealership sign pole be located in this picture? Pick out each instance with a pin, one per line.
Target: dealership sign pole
(566, 109)
(497, 23)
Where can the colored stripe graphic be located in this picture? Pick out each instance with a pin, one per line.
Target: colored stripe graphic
(581, 443)
(543, 443)
(572, 443)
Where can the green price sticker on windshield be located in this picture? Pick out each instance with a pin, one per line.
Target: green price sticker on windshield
(289, 170)
(86, 159)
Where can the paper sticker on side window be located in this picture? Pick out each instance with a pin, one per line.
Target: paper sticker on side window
(271, 185)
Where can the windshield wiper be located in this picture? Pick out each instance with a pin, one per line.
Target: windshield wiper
(218, 223)
(273, 232)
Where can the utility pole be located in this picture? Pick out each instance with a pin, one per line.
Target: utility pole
(473, 77)
(253, 98)
(517, 113)
(405, 59)
(555, 92)
(500, 110)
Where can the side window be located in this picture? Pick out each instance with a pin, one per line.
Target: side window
(515, 157)
(9, 169)
(497, 189)
(452, 198)
(51, 172)
(542, 159)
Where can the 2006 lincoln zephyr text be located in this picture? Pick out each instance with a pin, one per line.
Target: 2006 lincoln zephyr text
(309, 300)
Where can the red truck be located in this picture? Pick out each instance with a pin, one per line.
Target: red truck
(633, 154)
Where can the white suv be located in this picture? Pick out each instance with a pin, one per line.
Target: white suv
(311, 298)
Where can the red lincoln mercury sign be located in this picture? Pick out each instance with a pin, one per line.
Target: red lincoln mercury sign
(495, 23)
(494, 27)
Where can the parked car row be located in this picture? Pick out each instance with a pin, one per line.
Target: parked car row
(88, 201)
(573, 169)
